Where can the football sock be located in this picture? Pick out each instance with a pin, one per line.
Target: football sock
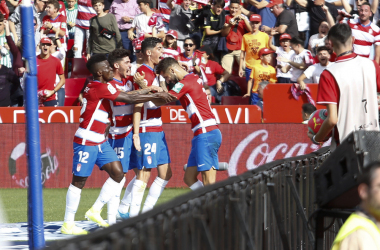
(137, 196)
(154, 192)
(72, 202)
(109, 189)
(196, 185)
(127, 198)
(113, 204)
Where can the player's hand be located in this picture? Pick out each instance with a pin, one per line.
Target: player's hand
(302, 86)
(136, 142)
(185, 66)
(6, 46)
(49, 93)
(325, 8)
(241, 72)
(139, 79)
(156, 89)
(21, 70)
(167, 97)
(247, 95)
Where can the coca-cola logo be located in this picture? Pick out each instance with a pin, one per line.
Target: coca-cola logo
(263, 153)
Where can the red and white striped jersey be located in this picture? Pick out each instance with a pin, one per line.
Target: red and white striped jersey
(59, 21)
(85, 12)
(194, 100)
(121, 113)
(150, 113)
(168, 52)
(365, 36)
(164, 10)
(189, 60)
(94, 115)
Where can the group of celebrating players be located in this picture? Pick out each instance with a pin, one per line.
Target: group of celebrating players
(136, 140)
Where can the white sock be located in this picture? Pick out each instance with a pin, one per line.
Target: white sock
(196, 185)
(127, 198)
(113, 204)
(137, 196)
(72, 202)
(154, 192)
(109, 189)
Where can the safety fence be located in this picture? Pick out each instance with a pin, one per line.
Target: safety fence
(270, 207)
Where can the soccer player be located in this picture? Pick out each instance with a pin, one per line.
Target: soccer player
(154, 152)
(207, 137)
(54, 20)
(91, 147)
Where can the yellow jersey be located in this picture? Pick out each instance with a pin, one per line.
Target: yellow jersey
(252, 44)
(261, 73)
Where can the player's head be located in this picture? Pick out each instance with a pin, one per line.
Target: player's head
(152, 49)
(98, 6)
(120, 62)
(40, 5)
(307, 110)
(365, 12)
(323, 54)
(255, 21)
(52, 8)
(297, 44)
(170, 70)
(45, 44)
(369, 188)
(100, 67)
(218, 6)
(189, 46)
(340, 36)
(260, 89)
(186, 4)
(144, 5)
(171, 40)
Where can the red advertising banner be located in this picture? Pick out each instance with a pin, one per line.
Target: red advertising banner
(244, 147)
(232, 114)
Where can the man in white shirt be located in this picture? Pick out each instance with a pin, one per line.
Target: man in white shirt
(314, 71)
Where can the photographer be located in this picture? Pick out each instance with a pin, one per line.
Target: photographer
(235, 27)
(178, 18)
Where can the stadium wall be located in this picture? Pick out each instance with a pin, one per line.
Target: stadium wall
(244, 147)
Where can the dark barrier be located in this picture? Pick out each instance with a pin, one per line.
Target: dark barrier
(270, 207)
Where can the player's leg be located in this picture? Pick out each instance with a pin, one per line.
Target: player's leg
(209, 176)
(138, 189)
(125, 203)
(110, 163)
(210, 144)
(191, 172)
(164, 172)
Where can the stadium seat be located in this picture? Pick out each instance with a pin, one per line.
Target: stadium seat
(70, 44)
(241, 82)
(73, 88)
(79, 68)
(235, 100)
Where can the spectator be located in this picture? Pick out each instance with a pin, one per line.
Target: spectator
(47, 69)
(72, 12)
(8, 81)
(317, 40)
(103, 31)
(208, 93)
(353, 5)
(12, 4)
(314, 71)
(4, 48)
(188, 58)
(365, 32)
(300, 60)
(125, 11)
(286, 22)
(285, 51)
(261, 72)
(251, 45)
(317, 14)
(332, 53)
(139, 59)
(178, 21)
(171, 48)
(15, 20)
(82, 26)
(302, 17)
(58, 51)
(262, 8)
(260, 94)
(213, 23)
(307, 110)
(140, 24)
(213, 69)
(18, 64)
(235, 27)
(54, 21)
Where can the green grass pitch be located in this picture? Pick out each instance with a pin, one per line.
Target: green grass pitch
(15, 202)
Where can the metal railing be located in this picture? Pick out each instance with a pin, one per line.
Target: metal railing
(255, 210)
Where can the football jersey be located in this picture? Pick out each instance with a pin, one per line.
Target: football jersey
(189, 60)
(94, 115)
(58, 22)
(168, 52)
(85, 13)
(121, 113)
(365, 36)
(164, 10)
(150, 113)
(193, 99)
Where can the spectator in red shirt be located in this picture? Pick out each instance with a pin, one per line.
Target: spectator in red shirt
(235, 27)
(213, 69)
(47, 68)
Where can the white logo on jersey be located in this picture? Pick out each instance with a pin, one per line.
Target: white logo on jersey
(111, 89)
(208, 70)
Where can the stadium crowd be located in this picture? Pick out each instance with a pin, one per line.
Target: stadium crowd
(262, 41)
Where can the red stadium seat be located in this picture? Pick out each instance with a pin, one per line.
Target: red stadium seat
(235, 100)
(79, 69)
(70, 44)
(241, 82)
(73, 88)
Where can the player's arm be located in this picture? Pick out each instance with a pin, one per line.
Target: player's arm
(294, 64)
(13, 30)
(131, 33)
(210, 32)
(141, 96)
(171, 4)
(136, 125)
